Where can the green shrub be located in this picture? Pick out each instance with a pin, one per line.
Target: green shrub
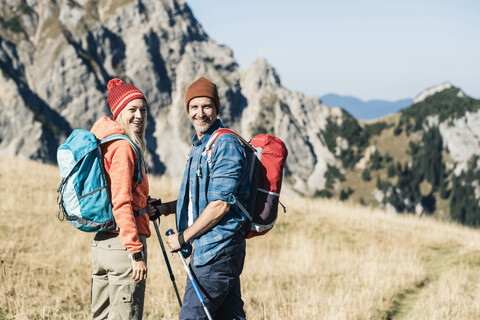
(391, 170)
(14, 24)
(323, 194)
(345, 194)
(366, 176)
(398, 130)
(332, 174)
(375, 129)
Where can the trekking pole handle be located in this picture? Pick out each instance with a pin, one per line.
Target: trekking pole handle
(190, 276)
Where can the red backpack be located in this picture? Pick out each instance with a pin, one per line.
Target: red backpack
(267, 156)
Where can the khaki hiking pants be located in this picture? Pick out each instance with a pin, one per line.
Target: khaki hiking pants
(115, 295)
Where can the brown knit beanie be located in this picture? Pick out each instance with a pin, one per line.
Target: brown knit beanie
(203, 88)
(120, 94)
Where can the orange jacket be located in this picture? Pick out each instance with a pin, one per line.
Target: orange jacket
(120, 160)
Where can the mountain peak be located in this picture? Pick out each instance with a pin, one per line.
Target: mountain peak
(432, 90)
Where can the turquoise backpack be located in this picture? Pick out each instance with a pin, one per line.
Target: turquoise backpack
(83, 196)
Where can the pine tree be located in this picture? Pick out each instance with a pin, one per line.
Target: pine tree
(376, 161)
(366, 176)
(464, 206)
(431, 161)
(391, 170)
(444, 193)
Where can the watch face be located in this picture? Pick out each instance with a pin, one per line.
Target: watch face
(137, 255)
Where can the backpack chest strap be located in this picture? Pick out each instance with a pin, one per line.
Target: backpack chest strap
(137, 213)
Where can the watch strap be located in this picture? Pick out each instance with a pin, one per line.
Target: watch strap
(136, 256)
(181, 240)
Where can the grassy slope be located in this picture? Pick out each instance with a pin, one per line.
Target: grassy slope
(387, 142)
(323, 260)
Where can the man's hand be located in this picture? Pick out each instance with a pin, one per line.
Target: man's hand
(139, 269)
(214, 211)
(173, 243)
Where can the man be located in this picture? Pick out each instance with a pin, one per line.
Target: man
(207, 214)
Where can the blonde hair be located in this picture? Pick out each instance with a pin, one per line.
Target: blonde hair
(137, 138)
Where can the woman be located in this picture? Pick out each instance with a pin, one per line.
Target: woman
(119, 257)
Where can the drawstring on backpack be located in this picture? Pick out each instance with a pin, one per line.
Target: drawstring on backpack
(61, 208)
(284, 208)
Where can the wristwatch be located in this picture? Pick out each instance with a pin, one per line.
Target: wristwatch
(136, 256)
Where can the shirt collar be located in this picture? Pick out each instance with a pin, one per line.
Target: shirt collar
(216, 125)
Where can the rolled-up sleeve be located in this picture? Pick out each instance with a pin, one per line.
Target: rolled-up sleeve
(227, 165)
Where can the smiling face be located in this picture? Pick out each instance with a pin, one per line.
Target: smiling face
(202, 114)
(134, 115)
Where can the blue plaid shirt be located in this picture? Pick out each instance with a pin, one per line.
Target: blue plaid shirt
(225, 179)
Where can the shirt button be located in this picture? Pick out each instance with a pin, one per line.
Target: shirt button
(196, 153)
(193, 167)
(191, 182)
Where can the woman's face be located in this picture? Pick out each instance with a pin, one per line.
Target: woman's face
(134, 115)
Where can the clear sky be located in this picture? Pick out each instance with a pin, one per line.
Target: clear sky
(370, 49)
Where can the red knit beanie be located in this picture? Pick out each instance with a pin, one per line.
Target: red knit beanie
(120, 94)
(203, 88)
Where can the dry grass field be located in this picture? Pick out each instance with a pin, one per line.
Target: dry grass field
(323, 260)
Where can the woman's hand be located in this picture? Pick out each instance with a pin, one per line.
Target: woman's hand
(160, 209)
(152, 210)
(139, 269)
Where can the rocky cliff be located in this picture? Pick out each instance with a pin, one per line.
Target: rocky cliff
(57, 56)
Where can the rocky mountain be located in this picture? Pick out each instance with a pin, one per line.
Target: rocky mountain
(423, 160)
(57, 56)
(365, 110)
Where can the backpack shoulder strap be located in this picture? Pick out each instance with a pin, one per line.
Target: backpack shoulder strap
(213, 139)
(209, 150)
(139, 157)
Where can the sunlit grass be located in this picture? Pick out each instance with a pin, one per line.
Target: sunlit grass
(323, 260)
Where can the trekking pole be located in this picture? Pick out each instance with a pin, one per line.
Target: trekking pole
(190, 276)
(172, 277)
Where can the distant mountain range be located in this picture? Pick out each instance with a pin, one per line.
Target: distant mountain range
(365, 110)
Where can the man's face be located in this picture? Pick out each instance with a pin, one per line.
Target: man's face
(202, 114)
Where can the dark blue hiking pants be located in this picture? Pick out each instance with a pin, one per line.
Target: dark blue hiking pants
(219, 283)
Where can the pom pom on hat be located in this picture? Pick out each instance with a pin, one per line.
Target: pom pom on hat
(114, 83)
(203, 88)
(120, 94)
